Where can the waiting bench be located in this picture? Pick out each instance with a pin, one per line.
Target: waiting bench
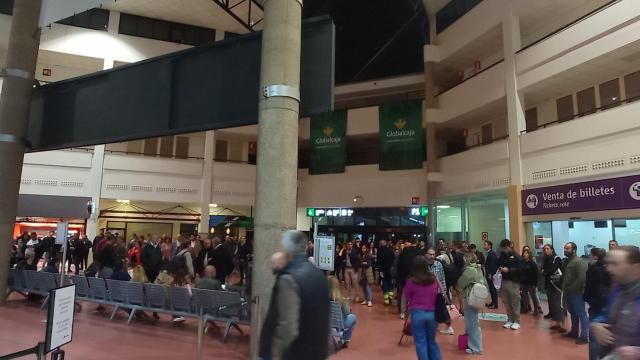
(203, 305)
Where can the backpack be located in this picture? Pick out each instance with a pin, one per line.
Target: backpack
(478, 295)
(451, 274)
(179, 262)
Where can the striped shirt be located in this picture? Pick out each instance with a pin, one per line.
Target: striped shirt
(438, 270)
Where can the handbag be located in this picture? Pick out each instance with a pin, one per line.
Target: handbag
(441, 312)
(463, 342)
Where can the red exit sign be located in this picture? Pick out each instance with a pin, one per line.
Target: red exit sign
(46, 72)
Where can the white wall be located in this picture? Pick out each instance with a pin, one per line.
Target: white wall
(378, 188)
(595, 145)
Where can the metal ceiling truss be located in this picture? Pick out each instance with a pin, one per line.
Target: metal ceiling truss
(248, 20)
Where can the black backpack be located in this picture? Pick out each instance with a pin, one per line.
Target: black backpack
(451, 274)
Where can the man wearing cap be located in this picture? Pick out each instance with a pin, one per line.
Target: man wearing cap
(297, 322)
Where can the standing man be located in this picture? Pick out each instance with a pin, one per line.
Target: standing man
(96, 241)
(405, 264)
(222, 260)
(297, 322)
(617, 328)
(151, 258)
(352, 271)
(573, 289)
(385, 262)
(491, 265)
(510, 265)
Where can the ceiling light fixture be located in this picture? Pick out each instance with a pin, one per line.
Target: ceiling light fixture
(123, 201)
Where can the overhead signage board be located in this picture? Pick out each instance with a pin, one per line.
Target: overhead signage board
(198, 89)
(599, 195)
(60, 317)
(329, 212)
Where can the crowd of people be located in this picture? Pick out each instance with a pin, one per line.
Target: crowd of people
(578, 290)
(599, 298)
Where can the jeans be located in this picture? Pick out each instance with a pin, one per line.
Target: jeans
(387, 286)
(579, 319)
(424, 325)
(510, 294)
(349, 323)
(352, 278)
(472, 328)
(530, 294)
(367, 292)
(594, 348)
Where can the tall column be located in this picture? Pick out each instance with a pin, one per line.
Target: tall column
(206, 186)
(96, 175)
(433, 170)
(15, 100)
(277, 163)
(516, 122)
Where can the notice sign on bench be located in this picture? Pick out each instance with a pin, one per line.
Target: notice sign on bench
(60, 317)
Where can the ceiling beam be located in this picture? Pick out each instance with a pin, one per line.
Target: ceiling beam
(249, 20)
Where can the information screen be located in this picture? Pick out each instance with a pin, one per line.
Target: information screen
(324, 248)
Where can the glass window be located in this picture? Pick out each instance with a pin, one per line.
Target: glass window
(538, 235)
(162, 30)
(632, 86)
(6, 7)
(585, 234)
(531, 119)
(127, 24)
(363, 149)
(565, 108)
(166, 146)
(222, 150)
(182, 147)
(629, 234)
(151, 146)
(610, 94)
(587, 101)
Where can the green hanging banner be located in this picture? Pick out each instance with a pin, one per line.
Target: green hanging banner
(328, 143)
(402, 138)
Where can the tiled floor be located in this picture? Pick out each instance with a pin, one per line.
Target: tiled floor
(376, 337)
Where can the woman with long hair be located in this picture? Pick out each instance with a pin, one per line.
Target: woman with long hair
(550, 266)
(529, 284)
(472, 274)
(366, 277)
(421, 291)
(349, 319)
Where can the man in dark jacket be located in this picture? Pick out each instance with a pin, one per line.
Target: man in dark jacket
(510, 265)
(596, 292)
(222, 260)
(405, 263)
(297, 322)
(573, 286)
(491, 265)
(385, 262)
(151, 258)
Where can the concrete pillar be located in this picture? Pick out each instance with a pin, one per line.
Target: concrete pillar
(516, 123)
(206, 186)
(96, 175)
(15, 100)
(433, 169)
(277, 163)
(97, 162)
(515, 113)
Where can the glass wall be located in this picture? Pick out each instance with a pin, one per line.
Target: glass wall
(466, 218)
(586, 234)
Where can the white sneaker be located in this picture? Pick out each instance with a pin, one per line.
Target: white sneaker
(369, 304)
(402, 316)
(179, 319)
(507, 325)
(447, 331)
(515, 326)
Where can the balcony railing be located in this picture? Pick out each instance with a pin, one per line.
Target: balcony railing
(585, 113)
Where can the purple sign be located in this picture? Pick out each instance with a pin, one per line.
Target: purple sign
(609, 194)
